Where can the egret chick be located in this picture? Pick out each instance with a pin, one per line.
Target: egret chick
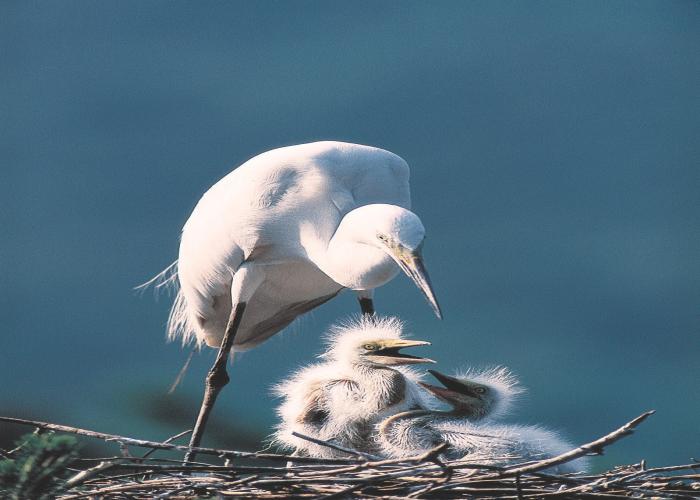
(473, 396)
(477, 394)
(362, 379)
(481, 441)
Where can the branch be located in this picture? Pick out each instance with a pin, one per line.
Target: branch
(167, 441)
(83, 476)
(595, 447)
(167, 446)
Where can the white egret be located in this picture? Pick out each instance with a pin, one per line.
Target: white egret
(362, 380)
(285, 232)
(468, 427)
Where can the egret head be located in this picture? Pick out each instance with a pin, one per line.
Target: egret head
(396, 233)
(372, 342)
(477, 394)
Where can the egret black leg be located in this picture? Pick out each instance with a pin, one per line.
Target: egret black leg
(367, 306)
(217, 378)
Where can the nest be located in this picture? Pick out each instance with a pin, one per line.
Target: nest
(229, 473)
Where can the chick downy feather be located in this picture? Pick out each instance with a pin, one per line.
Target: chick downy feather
(343, 397)
(507, 444)
(503, 383)
(484, 441)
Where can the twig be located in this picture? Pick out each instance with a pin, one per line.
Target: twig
(185, 488)
(596, 447)
(337, 447)
(22, 444)
(83, 476)
(169, 440)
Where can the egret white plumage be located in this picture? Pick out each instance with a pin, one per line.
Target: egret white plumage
(480, 440)
(285, 232)
(362, 380)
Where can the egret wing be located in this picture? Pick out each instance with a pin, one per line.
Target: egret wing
(250, 336)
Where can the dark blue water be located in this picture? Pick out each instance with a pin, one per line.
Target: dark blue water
(555, 162)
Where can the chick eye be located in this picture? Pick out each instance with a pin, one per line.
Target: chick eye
(370, 347)
(480, 390)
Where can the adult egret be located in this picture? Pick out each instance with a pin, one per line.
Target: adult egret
(480, 441)
(285, 232)
(362, 380)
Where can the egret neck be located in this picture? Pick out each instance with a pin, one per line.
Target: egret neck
(371, 245)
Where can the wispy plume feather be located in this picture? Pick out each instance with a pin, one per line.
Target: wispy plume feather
(166, 280)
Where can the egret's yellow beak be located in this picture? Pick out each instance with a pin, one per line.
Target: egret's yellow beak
(388, 353)
(411, 263)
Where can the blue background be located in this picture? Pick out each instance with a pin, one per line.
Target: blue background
(555, 162)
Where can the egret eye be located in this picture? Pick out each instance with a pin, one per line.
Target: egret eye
(370, 347)
(382, 237)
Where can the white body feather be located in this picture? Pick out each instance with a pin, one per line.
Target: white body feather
(342, 399)
(485, 443)
(278, 212)
(476, 439)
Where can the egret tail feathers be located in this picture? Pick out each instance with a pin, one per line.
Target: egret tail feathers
(164, 280)
(178, 320)
(179, 324)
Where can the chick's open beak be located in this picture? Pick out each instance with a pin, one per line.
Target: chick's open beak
(451, 385)
(389, 352)
(440, 392)
(411, 263)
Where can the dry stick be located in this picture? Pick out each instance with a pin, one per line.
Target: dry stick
(417, 468)
(607, 481)
(22, 444)
(430, 455)
(572, 491)
(83, 476)
(417, 460)
(365, 480)
(542, 494)
(169, 440)
(140, 486)
(185, 488)
(652, 471)
(342, 493)
(334, 446)
(595, 447)
(141, 460)
(168, 446)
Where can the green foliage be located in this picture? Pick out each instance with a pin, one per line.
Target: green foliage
(37, 469)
